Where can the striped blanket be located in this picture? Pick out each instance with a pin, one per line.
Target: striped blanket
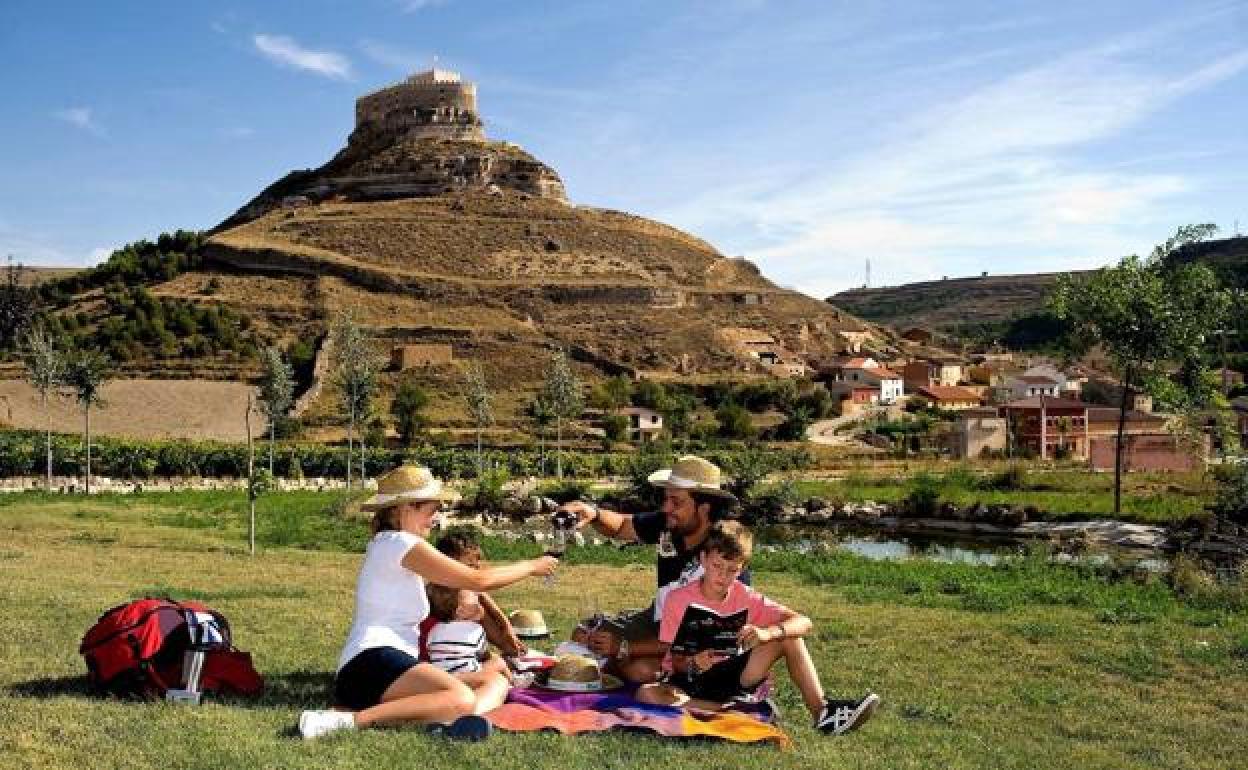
(529, 709)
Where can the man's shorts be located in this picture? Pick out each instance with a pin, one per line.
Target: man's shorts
(637, 625)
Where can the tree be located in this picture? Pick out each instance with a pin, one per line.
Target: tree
(45, 369)
(356, 376)
(562, 393)
(477, 397)
(734, 421)
(1148, 316)
(615, 427)
(85, 373)
(611, 394)
(409, 401)
(17, 305)
(277, 392)
(540, 412)
(795, 424)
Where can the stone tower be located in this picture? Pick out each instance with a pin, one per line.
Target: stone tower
(433, 104)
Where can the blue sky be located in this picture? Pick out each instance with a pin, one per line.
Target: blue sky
(932, 138)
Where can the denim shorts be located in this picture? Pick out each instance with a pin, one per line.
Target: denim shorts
(366, 677)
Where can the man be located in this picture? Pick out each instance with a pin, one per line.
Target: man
(693, 500)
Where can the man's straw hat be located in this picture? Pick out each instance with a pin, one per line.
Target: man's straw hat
(694, 474)
(407, 484)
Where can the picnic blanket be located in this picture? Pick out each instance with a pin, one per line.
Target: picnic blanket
(529, 709)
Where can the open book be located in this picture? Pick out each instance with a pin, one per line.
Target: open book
(701, 628)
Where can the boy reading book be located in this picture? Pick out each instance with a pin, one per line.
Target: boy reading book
(722, 638)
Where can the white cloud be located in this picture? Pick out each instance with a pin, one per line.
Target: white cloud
(239, 132)
(288, 53)
(80, 117)
(958, 188)
(412, 6)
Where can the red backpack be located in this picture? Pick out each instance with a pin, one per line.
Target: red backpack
(138, 649)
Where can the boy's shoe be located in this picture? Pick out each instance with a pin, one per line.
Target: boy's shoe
(841, 716)
(314, 724)
(467, 728)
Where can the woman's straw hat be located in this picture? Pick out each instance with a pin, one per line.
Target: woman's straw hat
(580, 673)
(407, 484)
(529, 624)
(694, 474)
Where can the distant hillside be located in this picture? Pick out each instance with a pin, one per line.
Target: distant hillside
(951, 304)
(989, 307)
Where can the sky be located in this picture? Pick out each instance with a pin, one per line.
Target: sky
(929, 138)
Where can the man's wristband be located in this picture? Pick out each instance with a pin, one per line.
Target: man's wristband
(594, 508)
(622, 652)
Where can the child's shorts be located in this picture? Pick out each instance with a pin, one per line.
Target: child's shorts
(457, 647)
(719, 684)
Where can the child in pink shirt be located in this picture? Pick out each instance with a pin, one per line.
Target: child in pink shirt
(709, 679)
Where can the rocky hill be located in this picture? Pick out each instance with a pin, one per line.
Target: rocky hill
(449, 241)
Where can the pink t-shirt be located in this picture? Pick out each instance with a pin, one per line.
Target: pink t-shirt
(760, 611)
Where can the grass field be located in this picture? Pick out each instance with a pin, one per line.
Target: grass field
(1148, 498)
(1024, 665)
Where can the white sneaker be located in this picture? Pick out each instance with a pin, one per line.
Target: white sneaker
(314, 724)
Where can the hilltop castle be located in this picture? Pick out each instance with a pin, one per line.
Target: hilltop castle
(435, 104)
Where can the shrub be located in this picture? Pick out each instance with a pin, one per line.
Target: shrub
(1231, 503)
(924, 496)
(487, 492)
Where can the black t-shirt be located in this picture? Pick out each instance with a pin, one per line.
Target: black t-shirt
(675, 566)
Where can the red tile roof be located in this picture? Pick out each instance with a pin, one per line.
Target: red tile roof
(949, 393)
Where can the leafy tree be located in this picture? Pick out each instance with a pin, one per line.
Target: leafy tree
(85, 374)
(795, 424)
(650, 394)
(45, 369)
(615, 426)
(1148, 316)
(355, 372)
(409, 401)
(734, 421)
(17, 305)
(277, 392)
(542, 415)
(477, 397)
(562, 392)
(612, 393)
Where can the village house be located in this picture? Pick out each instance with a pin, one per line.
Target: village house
(980, 431)
(855, 399)
(950, 397)
(859, 371)
(853, 341)
(643, 424)
(406, 357)
(1032, 385)
(945, 372)
(1047, 426)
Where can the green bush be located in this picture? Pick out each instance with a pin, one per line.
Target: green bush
(924, 496)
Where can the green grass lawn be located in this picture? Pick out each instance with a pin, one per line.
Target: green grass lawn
(1148, 498)
(1023, 665)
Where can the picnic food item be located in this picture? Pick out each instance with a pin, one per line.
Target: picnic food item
(529, 624)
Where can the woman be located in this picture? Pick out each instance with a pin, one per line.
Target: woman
(379, 677)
